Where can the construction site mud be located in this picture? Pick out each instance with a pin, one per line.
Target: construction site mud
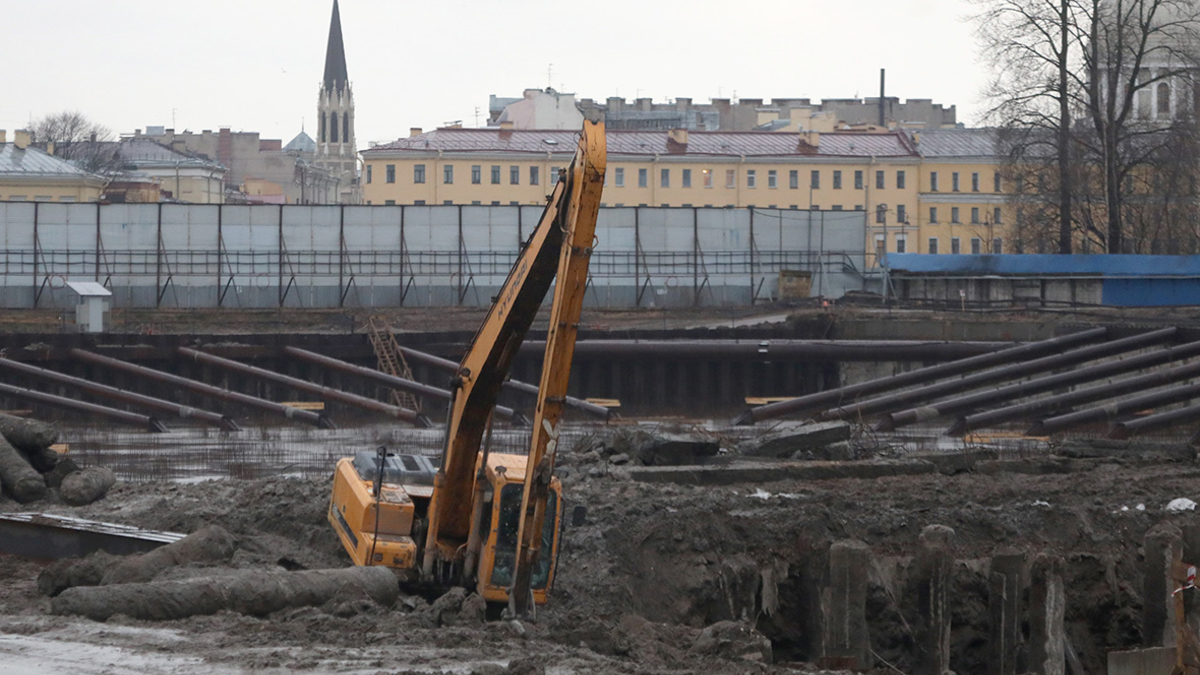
(652, 576)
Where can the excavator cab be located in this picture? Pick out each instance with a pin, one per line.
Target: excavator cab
(506, 477)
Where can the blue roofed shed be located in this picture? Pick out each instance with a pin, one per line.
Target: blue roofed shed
(1114, 280)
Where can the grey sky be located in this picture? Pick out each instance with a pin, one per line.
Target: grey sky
(255, 65)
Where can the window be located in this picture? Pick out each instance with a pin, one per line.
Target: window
(976, 245)
(664, 178)
(619, 178)
(858, 207)
(996, 182)
(858, 180)
(535, 175)
(954, 214)
(996, 215)
(391, 173)
(448, 174)
(706, 175)
(954, 182)
(751, 179)
(814, 180)
(514, 175)
(447, 202)
(554, 171)
(933, 214)
(901, 243)
(837, 207)
(687, 178)
(955, 247)
(389, 202)
(974, 215)
(772, 179)
(369, 167)
(997, 246)
(333, 128)
(794, 179)
(418, 173)
(880, 246)
(65, 198)
(1164, 99)
(878, 180)
(495, 174)
(933, 181)
(933, 245)
(643, 178)
(837, 180)
(881, 214)
(974, 182)
(899, 180)
(476, 174)
(901, 214)
(730, 179)
(419, 202)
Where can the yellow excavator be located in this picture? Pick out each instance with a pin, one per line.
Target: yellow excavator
(488, 520)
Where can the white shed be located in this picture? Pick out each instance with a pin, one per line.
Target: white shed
(93, 305)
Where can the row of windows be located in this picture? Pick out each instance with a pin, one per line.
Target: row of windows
(37, 198)
(514, 174)
(955, 245)
(975, 215)
(707, 176)
(955, 185)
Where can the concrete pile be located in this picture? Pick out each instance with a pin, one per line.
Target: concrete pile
(29, 468)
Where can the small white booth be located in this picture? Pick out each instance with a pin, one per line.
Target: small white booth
(93, 305)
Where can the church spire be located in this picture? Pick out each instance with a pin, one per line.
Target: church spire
(336, 77)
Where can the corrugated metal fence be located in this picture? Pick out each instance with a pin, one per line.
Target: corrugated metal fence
(177, 255)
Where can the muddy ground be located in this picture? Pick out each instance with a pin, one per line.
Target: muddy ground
(648, 569)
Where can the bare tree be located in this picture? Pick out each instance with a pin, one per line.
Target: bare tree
(75, 137)
(1033, 93)
(1072, 89)
(1135, 48)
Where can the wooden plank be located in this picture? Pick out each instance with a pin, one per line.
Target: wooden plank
(606, 402)
(305, 405)
(764, 400)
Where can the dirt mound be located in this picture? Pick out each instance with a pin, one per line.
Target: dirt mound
(653, 566)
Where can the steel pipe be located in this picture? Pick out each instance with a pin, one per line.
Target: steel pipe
(895, 420)
(1131, 428)
(892, 401)
(451, 367)
(779, 350)
(1054, 404)
(410, 416)
(183, 411)
(822, 400)
(416, 388)
(135, 419)
(1114, 410)
(204, 389)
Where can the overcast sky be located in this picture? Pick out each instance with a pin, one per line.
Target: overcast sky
(255, 65)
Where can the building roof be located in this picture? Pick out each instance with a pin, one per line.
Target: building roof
(301, 143)
(142, 151)
(622, 142)
(336, 76)
(1045, 264)
(935, 143)
(34, 162)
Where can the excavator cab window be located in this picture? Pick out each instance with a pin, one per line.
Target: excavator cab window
(506, 538)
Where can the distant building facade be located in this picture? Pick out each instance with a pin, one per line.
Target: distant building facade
(249, 159)
(28, 174)
(549, 109)
(178, 176)
(937, 191)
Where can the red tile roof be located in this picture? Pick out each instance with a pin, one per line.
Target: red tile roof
(620, 142)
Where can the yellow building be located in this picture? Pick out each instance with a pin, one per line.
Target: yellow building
(964, 206)
(887, 174)
(30, 175)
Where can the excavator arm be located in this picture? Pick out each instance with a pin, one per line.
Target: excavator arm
(570, 216)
